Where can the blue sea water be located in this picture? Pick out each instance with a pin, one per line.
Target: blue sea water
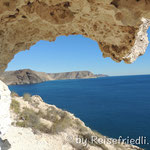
(114, 106)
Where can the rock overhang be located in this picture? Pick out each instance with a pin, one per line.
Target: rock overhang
(119, 26)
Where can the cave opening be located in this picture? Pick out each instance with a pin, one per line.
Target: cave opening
(103, 99)
(74, 53)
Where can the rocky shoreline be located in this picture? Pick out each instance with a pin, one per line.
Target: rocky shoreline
(27, 76)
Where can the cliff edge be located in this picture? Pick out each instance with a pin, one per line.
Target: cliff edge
(40, 126)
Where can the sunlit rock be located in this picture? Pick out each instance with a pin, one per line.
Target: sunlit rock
(118, 26)
(5, 120)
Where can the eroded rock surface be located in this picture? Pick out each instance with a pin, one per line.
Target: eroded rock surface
(119, 26)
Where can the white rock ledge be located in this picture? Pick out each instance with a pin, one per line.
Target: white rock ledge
(5, 121)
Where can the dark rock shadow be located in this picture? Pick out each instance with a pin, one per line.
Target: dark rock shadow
(4, 144)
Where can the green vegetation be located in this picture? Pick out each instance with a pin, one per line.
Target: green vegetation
(60, 120)
(13, 94)
(61, 124)
(29, 118)
(27, 97)
(20, 124)
(51, 114)
(87, 135)
(44, 128)
(15, 106)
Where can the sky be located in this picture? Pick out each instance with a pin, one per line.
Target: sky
(76, 53)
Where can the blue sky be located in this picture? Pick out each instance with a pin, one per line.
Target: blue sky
(75, 53)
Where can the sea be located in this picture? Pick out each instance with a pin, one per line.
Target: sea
(114, 106)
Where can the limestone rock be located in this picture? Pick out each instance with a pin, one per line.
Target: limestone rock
(63, 130)
(118, 26)
(5, 101)
(5, 120)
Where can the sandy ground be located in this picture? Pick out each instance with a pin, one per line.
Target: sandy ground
(24, 139)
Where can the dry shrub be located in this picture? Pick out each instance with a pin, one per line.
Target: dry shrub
(27, 97)
(15, 106)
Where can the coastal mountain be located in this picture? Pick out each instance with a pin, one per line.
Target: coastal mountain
(72, 75)
(101, 75)
(27, 76)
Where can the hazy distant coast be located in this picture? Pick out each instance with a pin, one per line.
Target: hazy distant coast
(27, 76)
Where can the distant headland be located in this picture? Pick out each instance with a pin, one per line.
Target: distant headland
(28, 76)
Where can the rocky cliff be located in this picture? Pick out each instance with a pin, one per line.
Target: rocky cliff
(27, 76)
(118, 26)
(37, 125)
(5, 120)
(72, 75)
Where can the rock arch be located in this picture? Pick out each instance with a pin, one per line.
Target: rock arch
(119, 26)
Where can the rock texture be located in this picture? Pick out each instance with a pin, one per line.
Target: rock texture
(101, 75)
(119, 26)
(5, 121)
(64, 129)
(72, 75)
(27, 76)
(5, 101)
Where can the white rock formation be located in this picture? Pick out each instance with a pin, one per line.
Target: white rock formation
(66, 129)
(5, 101)
(141, 42)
